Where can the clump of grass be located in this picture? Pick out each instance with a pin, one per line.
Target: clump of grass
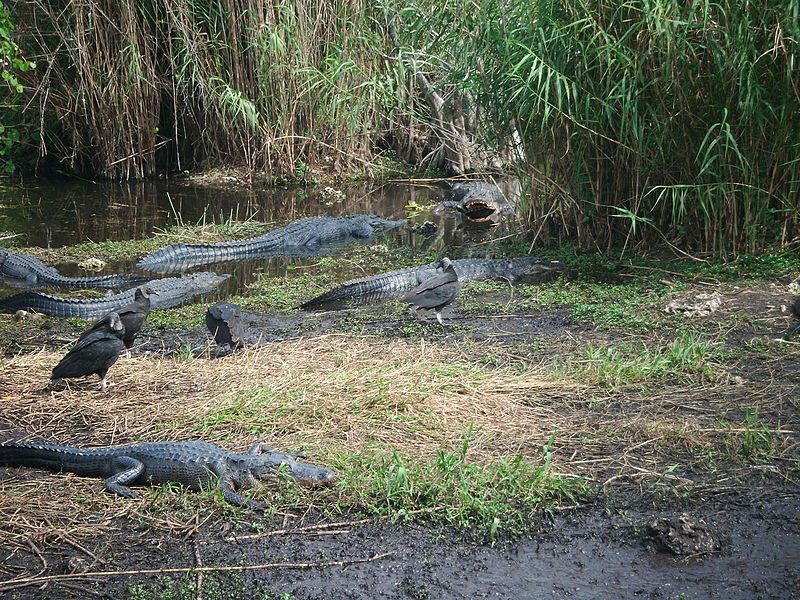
(756, 440)
(630, 307)
(190, 315)
(687, 358)
(485, 499)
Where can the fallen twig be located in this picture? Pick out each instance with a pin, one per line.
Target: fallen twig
(309, 528)
(25, 581)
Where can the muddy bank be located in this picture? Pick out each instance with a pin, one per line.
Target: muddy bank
(595, 552)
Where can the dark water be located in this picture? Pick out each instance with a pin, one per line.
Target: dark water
(54, 213)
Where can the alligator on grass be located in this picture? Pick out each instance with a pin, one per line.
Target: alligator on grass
(24, 270)
(195, 464)
(395, 283)
(298, 238)
(478, 201)
(169, 292)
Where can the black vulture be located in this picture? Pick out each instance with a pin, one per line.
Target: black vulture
(435, 292)
(95, 351)
(224, 321)
(133, 316)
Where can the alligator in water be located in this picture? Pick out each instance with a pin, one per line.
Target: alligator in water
(169, 292)
(300, 238)
(478, 201)
(395, 283)
(195, 464)
(23, 270)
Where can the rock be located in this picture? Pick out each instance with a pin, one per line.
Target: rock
(92, 264)
(701, 305)
(682, 535)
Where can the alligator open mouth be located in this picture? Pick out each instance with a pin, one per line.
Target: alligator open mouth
(479, 210)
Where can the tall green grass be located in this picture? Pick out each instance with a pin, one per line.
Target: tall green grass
(639, 117)
(634, 121)
(134, 85)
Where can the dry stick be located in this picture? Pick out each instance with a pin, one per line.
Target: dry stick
(6, 585)
(198, 563)
(320, 526)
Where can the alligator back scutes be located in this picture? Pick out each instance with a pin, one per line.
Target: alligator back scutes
(307, 232)
(171, 291)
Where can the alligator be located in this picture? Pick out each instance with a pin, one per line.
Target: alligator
(395, 283)
(25, 270)
(169, 291)
(194, 464)
(299, 236)
(478, 201)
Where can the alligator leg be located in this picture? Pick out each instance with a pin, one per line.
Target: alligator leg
(130, 470)
(259, 448)
(237, 499)
(263, 448)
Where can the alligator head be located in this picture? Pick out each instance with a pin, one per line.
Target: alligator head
(380, 225)
(533, 268)
(248, 470)
(542, 266)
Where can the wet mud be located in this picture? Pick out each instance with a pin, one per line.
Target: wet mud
(596, 552)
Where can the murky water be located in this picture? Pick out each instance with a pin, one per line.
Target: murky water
(53, 213)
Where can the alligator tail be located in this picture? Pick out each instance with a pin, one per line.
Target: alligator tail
(82, 461)
(60, 307)
(104, 281)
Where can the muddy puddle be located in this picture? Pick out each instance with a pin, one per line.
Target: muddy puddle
(583, 556)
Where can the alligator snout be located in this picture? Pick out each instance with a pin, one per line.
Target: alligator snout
(308, 474)
(319, 476)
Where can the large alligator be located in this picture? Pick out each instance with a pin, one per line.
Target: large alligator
(297, 238)
(22, 269)
(478, 201)
(195, 464)
(395, 283)
(170, 292)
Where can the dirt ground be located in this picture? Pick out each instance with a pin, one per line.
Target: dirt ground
(649, 452)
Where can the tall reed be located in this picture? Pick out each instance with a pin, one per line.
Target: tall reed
(635, 121)
(262, 85)
(639, 117)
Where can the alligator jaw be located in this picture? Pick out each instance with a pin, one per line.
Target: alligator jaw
(479, 210)
(271, 464)
(543, 267)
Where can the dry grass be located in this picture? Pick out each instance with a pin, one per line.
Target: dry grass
(335, 398)
(335, 395)
(330, 394)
